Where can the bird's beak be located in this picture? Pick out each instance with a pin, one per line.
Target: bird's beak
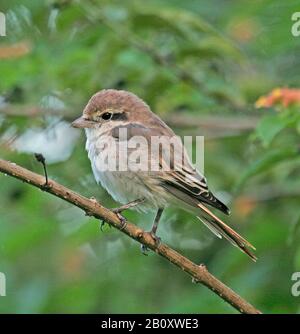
(82, 122)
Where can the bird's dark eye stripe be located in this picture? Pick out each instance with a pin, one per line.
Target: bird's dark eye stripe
(121, 116)
(114, 116)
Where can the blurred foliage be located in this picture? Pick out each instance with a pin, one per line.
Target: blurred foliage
(189, 57)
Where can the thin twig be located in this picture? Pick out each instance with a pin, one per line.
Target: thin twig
(40, 158)
(199, 273)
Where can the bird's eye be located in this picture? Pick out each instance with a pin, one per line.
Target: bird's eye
(106, 116)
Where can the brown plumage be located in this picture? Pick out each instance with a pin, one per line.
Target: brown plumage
(105, 115)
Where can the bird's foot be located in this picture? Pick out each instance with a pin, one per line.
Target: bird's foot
(124, 207)
(121, 218)
(118, 211)
(157, 240)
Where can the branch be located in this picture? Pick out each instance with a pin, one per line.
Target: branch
(199, 273)
(214, 123)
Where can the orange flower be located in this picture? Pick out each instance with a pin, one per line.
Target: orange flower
(15, 50)
(279, 96)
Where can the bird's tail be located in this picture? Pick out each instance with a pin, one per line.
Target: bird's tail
(219, 228)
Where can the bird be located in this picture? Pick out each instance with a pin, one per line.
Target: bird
(113, 119)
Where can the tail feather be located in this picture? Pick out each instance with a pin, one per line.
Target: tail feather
(219, 228)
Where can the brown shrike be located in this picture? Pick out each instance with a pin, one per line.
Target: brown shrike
(120, 130)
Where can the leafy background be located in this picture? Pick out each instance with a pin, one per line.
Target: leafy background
(201, 66)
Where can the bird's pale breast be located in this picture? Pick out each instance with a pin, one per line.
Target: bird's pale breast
(123, 186)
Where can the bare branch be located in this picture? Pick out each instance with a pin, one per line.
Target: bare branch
(199, 273)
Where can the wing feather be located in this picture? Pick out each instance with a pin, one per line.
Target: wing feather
(186, 184)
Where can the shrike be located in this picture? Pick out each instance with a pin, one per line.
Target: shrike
(122, 132)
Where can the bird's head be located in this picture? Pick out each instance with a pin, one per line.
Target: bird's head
(112, 107)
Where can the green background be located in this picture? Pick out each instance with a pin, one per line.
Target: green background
(195, 63)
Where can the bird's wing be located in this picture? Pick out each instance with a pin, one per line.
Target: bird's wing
(186, 184)
(178, 173)
(192, 184)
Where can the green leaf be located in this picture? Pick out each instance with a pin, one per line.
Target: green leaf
(207, 48)
(170, 18)
(270, 126)
(267, 162)
(185, 24)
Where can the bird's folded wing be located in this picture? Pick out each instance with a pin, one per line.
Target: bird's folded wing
(184, 182)
(176, 171)
(191, 186)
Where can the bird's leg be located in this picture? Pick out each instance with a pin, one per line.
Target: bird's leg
(118, 211)
(155, 224)
(153, 230)
(129, 205)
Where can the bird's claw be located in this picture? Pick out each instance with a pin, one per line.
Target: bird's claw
(121, 218)
(157, 240)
